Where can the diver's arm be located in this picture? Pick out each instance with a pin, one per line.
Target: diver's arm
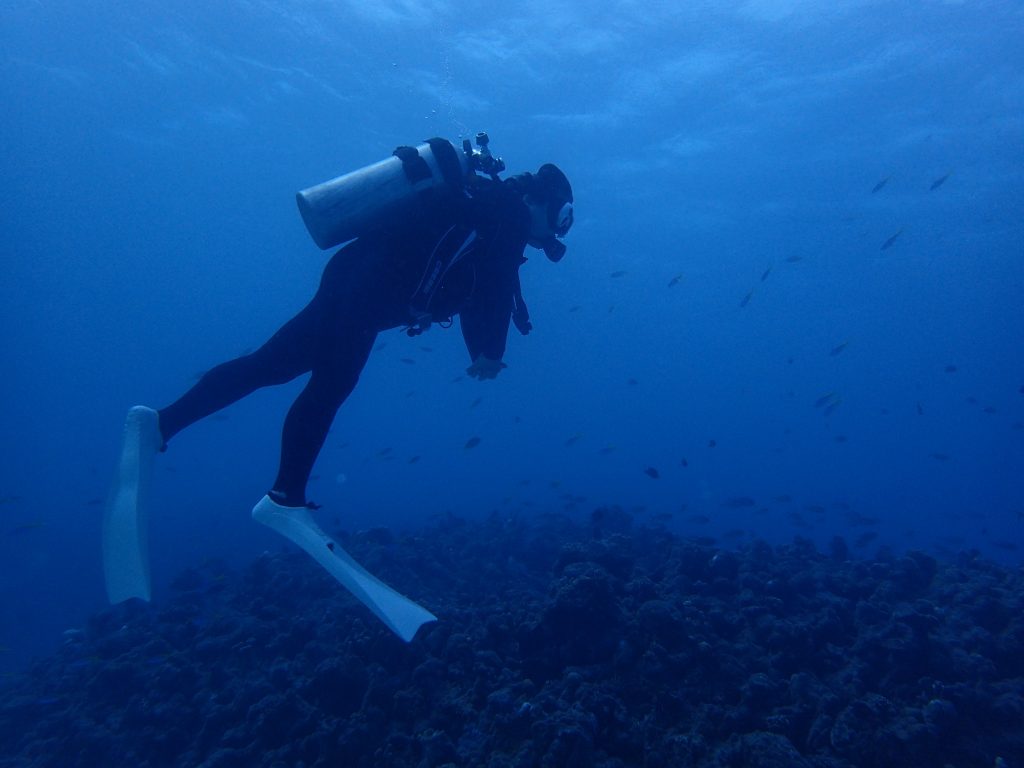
(486, 317)
(485, 325)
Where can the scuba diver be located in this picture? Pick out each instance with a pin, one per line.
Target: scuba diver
(449, 242)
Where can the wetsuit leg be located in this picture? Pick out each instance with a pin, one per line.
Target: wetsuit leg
(331, 338)
(335, 373)
(287, 354)
(292, 351)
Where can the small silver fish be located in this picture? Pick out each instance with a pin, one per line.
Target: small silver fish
(939, 182)
(888, 243)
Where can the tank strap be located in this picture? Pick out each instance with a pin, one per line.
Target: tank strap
(415, 167)
(447, 160)
(417, 170)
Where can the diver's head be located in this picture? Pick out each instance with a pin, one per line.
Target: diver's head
(548, 195)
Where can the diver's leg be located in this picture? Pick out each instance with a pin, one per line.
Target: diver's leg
(287, 354)
(290, 352)
(310, 417)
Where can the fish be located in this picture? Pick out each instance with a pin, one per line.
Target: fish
(427, 349)
(831, 407)
(824, 399)
(988, 409)
(618, 273)
(457, 379)
(888, 243)
(573, 440)
(784, 498)
(414, 459)
(574, 308)
(675, 280)
(698, 519)
(764, 275)
(606, 450)
(712, 443)
(683, 462)
(408, 361)
(838, 349)
(476, 402)
(380, 346)
(920, 410)
(746, 299)
(840, 438)
(815, 508)
(939, 182)
(794, 259)
(950, 369)
(1021, 390)
(652, 473)
(632, 382)
(879, 185)
(737, 502)
(939, 456)
(384, 451)
(473, 442)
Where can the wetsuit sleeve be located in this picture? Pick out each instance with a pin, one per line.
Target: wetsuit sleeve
(485, 318)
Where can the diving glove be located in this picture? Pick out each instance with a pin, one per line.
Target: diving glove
(485, 368)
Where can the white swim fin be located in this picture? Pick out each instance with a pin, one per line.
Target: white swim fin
(402, 615)
(125, 552)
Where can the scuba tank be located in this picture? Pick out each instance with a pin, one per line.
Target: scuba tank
(351, 205)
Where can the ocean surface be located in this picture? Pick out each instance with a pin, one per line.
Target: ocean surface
(778, 377)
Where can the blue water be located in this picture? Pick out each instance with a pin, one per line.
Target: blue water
(150, 156)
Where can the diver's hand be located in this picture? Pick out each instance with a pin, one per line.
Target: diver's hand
(485, 368)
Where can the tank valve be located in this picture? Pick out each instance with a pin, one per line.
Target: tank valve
(481, 159)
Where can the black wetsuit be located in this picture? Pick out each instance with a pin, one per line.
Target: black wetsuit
(370, 286)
